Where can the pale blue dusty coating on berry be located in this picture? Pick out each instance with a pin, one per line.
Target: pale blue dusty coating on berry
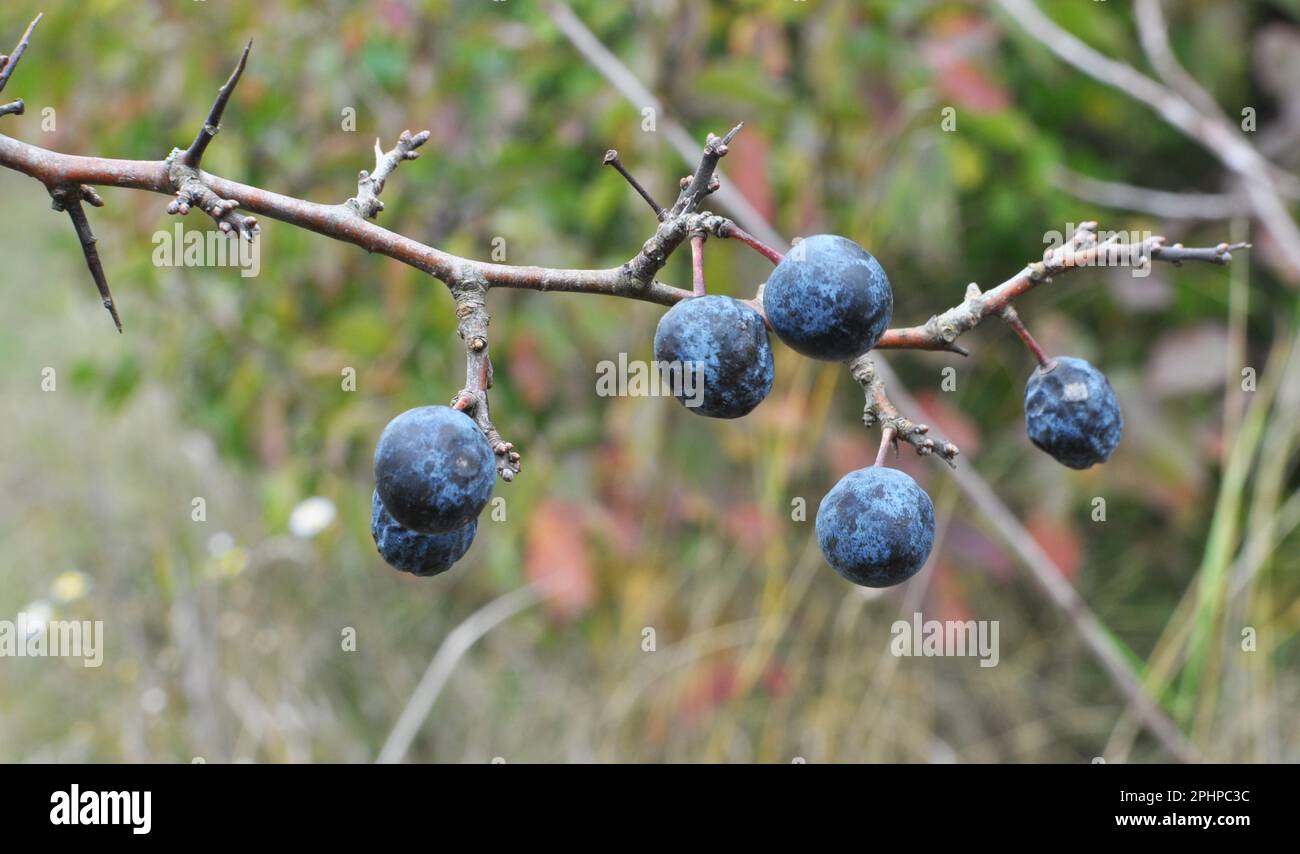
(434, 469)
(727, 340)
(876, 527)
(829, 298)
(1072, 413)
(413, 552)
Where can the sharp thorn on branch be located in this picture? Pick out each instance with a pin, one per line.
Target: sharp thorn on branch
(194, 154)
(11, 61)
(69, 199)
(611, 159)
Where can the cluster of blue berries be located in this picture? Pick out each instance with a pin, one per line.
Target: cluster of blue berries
(434, 473)
(828, 299)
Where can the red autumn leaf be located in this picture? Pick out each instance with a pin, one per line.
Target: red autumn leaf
(850, 449)
(949, 597)
(970, 547)
(747, 168)
(749, 526)
(954, 51)
(711, 685)
(1059, 541)
(556, 558)
(529, 377)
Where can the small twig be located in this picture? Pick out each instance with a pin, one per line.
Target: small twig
(697, 265)
(69, 199)
(13, 108)
(1012, 317)
(702, 183)
(880, 410)
(194, 154)
(11, 61)
(1177, 254)
(1083, 249)
(191, 191)
(370, 184)
(611, 159)
(471, 312)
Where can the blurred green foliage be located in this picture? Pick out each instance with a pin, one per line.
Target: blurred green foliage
(230, 388)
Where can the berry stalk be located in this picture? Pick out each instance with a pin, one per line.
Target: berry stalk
(731, 230)
(1013, 320)
(697, 265)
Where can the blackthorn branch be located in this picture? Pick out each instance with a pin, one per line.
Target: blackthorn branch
(469, 280)
(1083, 249)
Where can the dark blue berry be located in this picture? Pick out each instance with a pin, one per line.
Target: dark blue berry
(828, 298)
(1071, 412)
(727, 341)
(876, 527)
(434, 469)
(413, 552)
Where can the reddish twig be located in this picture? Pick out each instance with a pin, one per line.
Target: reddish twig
(730, 230)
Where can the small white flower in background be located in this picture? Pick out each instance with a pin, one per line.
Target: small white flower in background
(312, 516)
(153, 701)
(69, 586)
(220, 543)
(38, 615)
